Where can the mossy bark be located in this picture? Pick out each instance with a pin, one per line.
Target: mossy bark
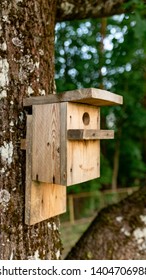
(117, 233)
(27, 68)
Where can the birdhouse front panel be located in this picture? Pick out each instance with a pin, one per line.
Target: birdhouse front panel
(83, 156)
(55, 157)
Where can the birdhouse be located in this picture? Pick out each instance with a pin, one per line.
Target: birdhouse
(62, 147)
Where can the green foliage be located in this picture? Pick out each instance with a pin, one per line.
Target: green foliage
(119, 65)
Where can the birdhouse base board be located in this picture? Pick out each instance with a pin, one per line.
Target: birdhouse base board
(44, 201)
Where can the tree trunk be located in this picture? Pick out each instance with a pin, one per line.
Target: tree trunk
(27, 68)
(101, 51)
(117, 233)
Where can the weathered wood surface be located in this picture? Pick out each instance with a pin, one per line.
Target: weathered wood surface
(63, 143)
(92, 134)
(91, 96)
(46, 201)
(42, 200)
(28, 168)
(46, 143)
(83, 157)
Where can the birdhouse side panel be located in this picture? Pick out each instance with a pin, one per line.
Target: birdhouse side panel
(63, 143)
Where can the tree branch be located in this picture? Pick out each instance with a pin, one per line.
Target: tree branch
(71, 9)
(113, 234)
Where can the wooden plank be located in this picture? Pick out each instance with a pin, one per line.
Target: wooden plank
(92, 134)
(47, 200)
(46, 143)
(91, 96)
(42, 200)
(63, 143)
(83, 157)
(28, 168)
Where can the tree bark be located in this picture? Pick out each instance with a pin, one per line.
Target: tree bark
(27, 68)
(117, 233)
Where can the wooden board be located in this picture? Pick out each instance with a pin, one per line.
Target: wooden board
(89, 134)
(63, 143)
(47, 200)
(46, 143)
(28, 168)
(83, 157)
(91, 96)
(42, 200)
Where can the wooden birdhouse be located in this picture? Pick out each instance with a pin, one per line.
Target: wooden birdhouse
(62, 147)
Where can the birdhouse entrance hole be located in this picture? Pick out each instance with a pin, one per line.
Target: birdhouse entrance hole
(86, 118)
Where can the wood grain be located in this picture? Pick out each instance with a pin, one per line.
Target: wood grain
(28, 168)
(42, 200)
(90, 134)
(83, 157)
(46, 143)
(90, 96)
(63, 143)
(47, 200)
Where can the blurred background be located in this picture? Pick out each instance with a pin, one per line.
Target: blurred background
(110, 54)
